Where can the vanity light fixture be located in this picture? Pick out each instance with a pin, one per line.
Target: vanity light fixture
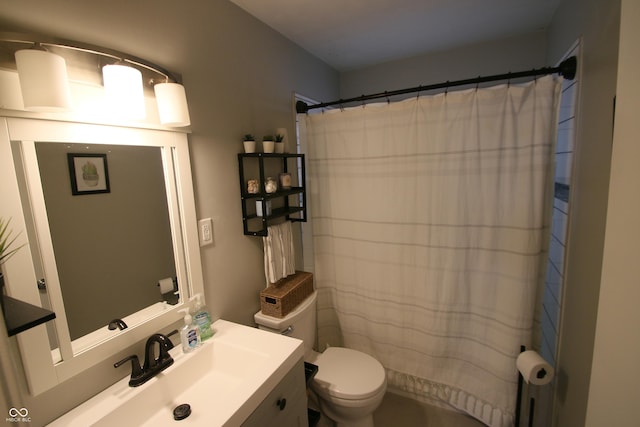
(124, 91)
(45, 86)
(43, 79)
(172, 104)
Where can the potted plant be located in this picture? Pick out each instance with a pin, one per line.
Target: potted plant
(268, 143)
(249, 143)
(6, 252)
(279, 143)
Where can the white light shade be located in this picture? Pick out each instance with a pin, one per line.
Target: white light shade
(124, 92)
(43, 80)
(10, 94)
(172, 104)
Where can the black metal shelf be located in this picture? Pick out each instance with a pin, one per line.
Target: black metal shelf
(268, 196)
(271, 155)
(20, 316)
(278, 212)
(292, 210)
(310, 371)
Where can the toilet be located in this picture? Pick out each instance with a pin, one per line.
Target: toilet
(349, 384)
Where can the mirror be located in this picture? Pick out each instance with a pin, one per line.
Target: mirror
(102, 250)
(111, 239)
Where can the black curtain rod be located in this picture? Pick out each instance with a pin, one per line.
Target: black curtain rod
(566, 69)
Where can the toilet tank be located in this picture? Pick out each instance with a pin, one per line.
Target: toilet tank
(300, 323)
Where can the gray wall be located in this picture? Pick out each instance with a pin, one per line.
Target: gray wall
(519, 53)
(613, 392)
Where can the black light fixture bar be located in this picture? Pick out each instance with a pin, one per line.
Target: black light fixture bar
(45, 41)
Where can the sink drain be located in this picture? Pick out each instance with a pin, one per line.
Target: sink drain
(181, 412)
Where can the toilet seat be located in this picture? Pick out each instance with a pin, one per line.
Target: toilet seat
(348, 374)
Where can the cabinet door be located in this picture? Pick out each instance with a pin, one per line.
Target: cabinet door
(286, 405)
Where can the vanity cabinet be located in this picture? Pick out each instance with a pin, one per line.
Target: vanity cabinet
(259, 207)
(286, 405)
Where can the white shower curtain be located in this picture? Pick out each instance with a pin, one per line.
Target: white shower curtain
(430, 217)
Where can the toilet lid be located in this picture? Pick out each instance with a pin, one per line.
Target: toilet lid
(348, 374)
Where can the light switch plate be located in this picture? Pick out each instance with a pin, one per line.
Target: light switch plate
(205, 231)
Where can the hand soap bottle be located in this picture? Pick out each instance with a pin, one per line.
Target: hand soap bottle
(201, 318)
(189, 334)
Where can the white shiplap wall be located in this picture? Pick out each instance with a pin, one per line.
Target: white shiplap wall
(552, 297)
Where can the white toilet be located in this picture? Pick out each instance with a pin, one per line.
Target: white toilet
(349, 384)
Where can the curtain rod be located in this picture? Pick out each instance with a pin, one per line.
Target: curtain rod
(566, 69)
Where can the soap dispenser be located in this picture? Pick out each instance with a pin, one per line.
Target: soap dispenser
(190, 333)
(201, 318)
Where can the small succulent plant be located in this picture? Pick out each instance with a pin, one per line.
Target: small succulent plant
(89, 169)
(279, 137)
(248, 137)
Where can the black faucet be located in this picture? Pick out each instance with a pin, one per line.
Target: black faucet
(117, 324)
(164, 359)
(152, 365)
(137, 376)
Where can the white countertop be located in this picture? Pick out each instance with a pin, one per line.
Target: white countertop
(224, 381)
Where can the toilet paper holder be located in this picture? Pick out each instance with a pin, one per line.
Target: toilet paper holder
(540, 374)
(519, 398)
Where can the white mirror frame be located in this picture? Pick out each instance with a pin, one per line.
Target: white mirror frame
(40, 370)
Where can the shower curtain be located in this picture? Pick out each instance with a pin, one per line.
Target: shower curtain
(430, 221)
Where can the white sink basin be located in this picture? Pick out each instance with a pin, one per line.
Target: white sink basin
(223, 381)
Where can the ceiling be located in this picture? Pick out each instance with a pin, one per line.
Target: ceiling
(349, 34)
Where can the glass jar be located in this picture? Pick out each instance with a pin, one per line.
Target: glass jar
(270, 185)
(253, 186)
(285, 180)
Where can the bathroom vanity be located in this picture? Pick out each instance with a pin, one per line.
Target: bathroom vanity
(241, 377)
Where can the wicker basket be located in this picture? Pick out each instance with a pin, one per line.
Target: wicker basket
(282, 297)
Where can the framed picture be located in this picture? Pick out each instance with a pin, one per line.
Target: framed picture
(89, 173)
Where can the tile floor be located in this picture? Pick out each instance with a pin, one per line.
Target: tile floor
(399, 411)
